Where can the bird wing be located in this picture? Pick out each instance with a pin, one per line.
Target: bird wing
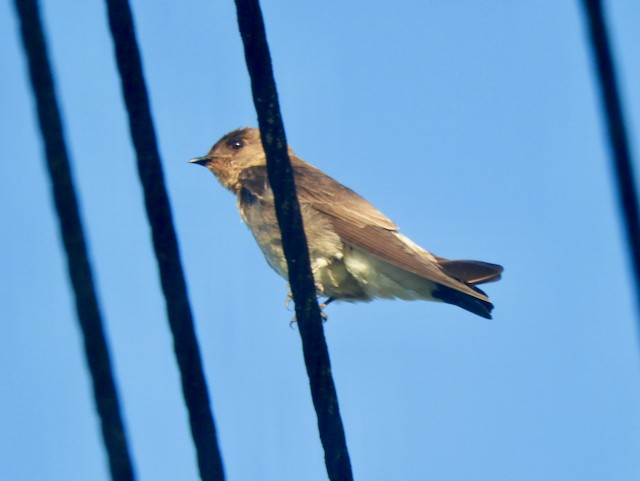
(317, 189)
(330, 196)
(359, 223)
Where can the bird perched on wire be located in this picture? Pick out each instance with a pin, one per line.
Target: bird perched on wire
(357, 253)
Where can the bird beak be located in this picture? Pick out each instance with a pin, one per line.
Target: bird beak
(200, 160)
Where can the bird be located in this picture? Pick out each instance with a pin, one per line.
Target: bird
(357, 253)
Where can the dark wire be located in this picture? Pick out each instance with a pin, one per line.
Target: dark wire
(618, 140)
(316, 354)
(165, 241)
(71, 230)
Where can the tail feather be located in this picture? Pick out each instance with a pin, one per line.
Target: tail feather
(465, 301)
(471, 272)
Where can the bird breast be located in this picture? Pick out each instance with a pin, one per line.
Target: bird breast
(326, 250)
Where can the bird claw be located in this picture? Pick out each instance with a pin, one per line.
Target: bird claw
(287, 301)
(323, 315)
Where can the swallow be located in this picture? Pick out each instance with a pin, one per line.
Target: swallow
(357, 253)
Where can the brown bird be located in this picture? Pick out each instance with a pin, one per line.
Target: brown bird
(357, 253)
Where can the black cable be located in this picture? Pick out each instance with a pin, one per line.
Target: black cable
(294, 243)
(618, 140)
(71, 230)
(165, 241)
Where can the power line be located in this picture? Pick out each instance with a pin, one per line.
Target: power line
(165, 242)
(294, 243)
(617, 133)
(72, 232)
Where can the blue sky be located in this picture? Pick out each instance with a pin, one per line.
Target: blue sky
(474, 126)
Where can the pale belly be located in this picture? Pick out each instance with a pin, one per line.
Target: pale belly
(340, 271)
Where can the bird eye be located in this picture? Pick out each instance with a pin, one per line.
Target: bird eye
(235, 144)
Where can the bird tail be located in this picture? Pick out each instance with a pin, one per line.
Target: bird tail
(471, 272)
(468, 302)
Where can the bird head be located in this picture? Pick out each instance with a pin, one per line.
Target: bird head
(232, 154)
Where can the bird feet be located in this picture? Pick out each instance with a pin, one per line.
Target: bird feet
(323, 314)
